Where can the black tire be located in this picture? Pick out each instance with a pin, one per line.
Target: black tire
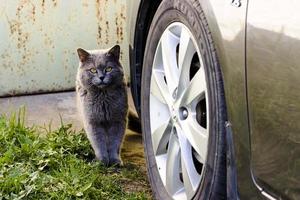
(189, 12)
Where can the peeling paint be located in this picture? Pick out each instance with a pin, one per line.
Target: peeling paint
(39, 40)
(104, 15)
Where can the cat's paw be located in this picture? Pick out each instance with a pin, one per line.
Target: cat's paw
(104, 161)
(115, 162)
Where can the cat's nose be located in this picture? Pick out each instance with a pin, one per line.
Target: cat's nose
(101, 78)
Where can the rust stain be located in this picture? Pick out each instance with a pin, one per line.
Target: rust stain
(99, 32)
(20, 34)
(85, 3)
(122, 14)
(121, 54)
(16, 31)
(54, 3)
(103, 31)
(104, 28)
(48, 41)
(33, 13)
(43, 6)
(46, 4)
(98, 6)
(66, 60)
(26, 9)
(120, 21)
(106, 32)
(50, 56)
(6, 58)
(99, 10)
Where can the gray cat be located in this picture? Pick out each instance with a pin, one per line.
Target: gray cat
(102, 101)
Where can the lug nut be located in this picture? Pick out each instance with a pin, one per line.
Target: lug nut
(183, 113)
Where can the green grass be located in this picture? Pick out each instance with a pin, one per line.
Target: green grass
(59, 165)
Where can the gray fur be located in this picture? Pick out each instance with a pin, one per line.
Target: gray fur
(103, 104)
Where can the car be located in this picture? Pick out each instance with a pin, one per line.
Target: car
(217, 86)
(215, 83)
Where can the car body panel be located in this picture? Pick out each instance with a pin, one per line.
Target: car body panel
(273, 46)
(132, 12)
(39, 40)
(227, 25)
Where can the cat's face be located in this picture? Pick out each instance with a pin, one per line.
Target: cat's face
(101, 68)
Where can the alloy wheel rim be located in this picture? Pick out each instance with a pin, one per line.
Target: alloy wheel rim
(179, 114)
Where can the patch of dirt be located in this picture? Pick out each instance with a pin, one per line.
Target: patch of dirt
(133, 150)
(133, 154)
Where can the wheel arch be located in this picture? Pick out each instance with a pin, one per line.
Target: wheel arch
(147, 9)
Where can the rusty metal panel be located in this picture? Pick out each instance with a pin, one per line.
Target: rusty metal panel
(38, 40)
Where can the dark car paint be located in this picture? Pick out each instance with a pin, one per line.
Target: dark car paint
(273, 68)
(228, 24)
(231, 53)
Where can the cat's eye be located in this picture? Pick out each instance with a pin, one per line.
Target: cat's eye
(108, 69)
(93, 70)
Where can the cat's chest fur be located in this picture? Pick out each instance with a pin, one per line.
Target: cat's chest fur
(105, 106)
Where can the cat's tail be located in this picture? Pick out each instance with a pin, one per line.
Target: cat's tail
(134, 122)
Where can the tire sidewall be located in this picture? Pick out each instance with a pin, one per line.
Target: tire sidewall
(186, 12)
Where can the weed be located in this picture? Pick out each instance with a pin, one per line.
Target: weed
(59, 165)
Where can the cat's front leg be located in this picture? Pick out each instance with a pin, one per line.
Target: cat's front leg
(115, 137)
(98, 139)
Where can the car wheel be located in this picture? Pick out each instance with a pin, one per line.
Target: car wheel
(183, 107)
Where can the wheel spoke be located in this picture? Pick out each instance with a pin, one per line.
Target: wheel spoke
(173, 183)
(160, 138)
(190, 176)
(186, 53)
(159, 88)
(159, 113)
(197, 137)
(196, 88)
(169, 42)
(180, 194)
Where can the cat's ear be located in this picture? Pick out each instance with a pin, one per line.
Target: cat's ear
(115, 51)
(82, 54)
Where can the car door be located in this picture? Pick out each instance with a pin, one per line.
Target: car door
(273, 82)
